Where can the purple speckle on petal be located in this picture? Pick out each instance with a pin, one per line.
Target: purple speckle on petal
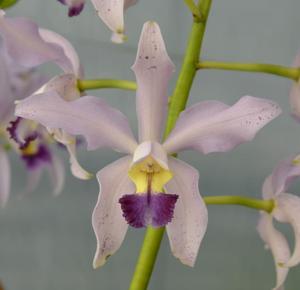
(141, 210)
(41, 157)
(75, 10)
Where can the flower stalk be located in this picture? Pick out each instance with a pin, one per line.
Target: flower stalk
(84, 85)
(259, 204)
(282, 71)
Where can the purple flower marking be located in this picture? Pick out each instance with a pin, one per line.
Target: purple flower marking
(12, 130)
(41, 157)
(141, 210)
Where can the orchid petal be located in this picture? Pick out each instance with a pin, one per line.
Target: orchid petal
(33, 179)
(128, 3)
(294, 98)
(75, 6)
(223, 129)
(267, 188)
(100, 124)
(56, 172)
(108, 222)
(4, 177)
(284, 174)
(6, 98)
(153, 149)
(278, 244)
(153, 69)
(189, 223)
(141, 210)
(70, 62)
(76, 168)
(65, 85)
(287, 210)
(24, 43)
(112, 14)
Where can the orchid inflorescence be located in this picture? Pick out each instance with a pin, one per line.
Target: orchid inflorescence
(149, 186)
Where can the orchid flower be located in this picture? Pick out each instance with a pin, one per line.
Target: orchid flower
(110, 11)
(16, 82)
(286, 210)
(75, 6)
(149, 187)
(31, 46)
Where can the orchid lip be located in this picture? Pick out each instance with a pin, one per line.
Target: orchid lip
(141, 210)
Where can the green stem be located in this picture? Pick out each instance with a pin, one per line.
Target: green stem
(189, 67)
(84, 85)
(179, 98)
(148, 254)
(193, 8)
(283, 71)
(266, 205)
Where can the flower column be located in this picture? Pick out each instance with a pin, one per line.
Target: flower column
(153, 237)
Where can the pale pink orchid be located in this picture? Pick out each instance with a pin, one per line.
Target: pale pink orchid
(286, 210)
(17, 82)
(148, 186)
(31, 46)
(110, 11)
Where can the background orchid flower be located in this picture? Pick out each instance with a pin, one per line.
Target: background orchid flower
(286, 210)
(148, 186)
(112, 14)
(33, 148)
(75, 6)
(31, 46)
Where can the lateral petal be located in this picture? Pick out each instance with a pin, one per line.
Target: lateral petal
(222, 130)
(277, 243)
(288, 210)
(100, 124)
(153, 69)
(70, 62)
(24, 43)
(108, 222)
(5, 177)
(189, 223)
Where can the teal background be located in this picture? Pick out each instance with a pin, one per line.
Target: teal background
(48, 243)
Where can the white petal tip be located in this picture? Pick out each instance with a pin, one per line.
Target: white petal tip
(100, 262)
(83, 175)
(185, 260)
(118, 38)
(2, 13)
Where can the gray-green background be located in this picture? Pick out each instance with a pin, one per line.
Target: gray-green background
(48, 243)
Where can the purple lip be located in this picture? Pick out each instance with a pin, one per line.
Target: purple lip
(141, 210)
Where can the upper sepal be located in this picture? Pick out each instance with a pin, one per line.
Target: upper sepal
(153, 69)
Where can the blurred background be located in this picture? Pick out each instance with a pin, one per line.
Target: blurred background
(48, 243)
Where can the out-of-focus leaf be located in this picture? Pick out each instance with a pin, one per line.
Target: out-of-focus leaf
(7, 3)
